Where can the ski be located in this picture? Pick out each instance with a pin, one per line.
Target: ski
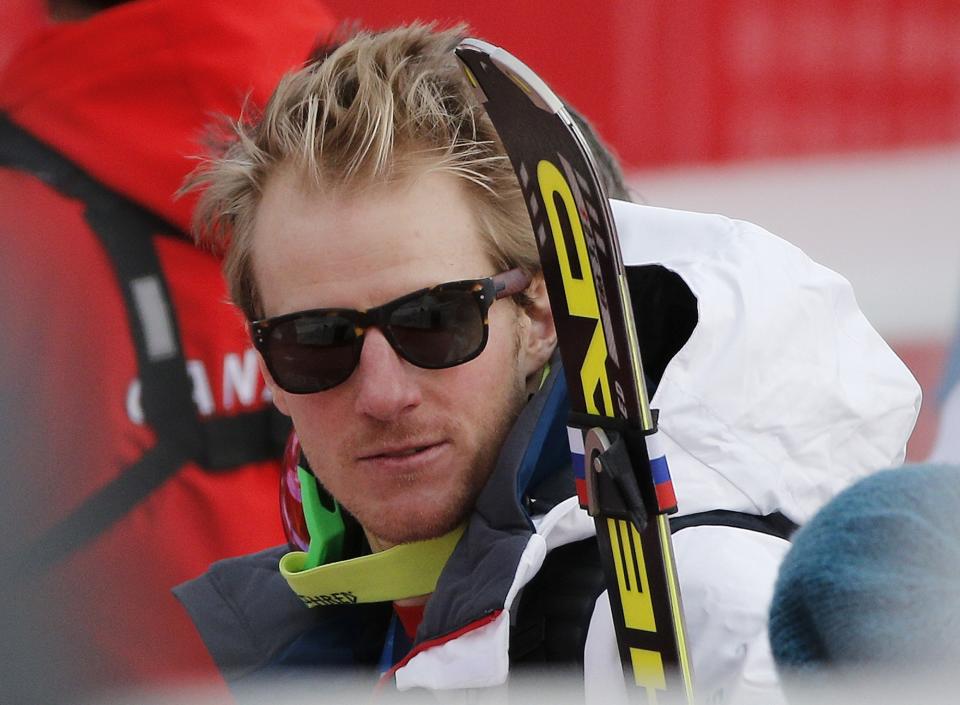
(622, 480)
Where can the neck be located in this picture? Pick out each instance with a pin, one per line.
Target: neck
(536, 380)
(376, 543)
(413, 601)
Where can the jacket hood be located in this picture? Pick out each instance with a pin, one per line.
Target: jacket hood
(127, 93)
(784, 393)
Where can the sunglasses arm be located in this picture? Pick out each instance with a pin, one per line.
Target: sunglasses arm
(510, 282)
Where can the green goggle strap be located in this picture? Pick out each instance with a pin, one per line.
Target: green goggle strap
(325, 525)
(407, 570)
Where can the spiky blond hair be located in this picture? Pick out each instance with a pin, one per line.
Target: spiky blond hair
(377, 106)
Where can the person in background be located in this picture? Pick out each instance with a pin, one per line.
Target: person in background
(868, 598)
(378, 243)
(19, 19)
(138, 441)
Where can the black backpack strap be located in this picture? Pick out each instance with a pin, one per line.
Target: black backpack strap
(556, 606)
(126, 231)
(775, 524)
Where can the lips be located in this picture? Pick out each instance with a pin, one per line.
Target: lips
(401, 452)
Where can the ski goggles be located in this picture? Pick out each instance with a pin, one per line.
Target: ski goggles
(434, 328)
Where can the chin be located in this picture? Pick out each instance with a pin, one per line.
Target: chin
(421, 522)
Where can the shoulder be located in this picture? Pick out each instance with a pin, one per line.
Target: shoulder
(244, 611)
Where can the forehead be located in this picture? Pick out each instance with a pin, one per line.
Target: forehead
(316, 246)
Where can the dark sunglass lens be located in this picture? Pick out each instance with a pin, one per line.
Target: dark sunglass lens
(312, 353)
(442, 328)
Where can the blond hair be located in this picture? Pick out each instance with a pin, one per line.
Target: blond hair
(375, 108)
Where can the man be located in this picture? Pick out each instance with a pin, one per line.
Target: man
(135, 420)
(377, 240)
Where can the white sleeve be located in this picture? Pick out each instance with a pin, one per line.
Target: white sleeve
(726, 580)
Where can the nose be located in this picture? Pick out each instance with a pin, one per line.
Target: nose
(386, 385)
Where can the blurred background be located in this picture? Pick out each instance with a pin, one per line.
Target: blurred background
(833, 123)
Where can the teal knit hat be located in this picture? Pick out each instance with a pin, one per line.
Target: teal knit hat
(873, 580)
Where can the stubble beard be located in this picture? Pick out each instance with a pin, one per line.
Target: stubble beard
(427, 522)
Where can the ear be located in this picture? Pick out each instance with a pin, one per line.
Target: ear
(539, 337)
(279, 396)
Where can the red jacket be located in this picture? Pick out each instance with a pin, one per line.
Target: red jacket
(125, 96)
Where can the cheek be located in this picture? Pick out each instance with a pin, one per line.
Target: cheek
(504, 344)
(312, 420)
(278, 395)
